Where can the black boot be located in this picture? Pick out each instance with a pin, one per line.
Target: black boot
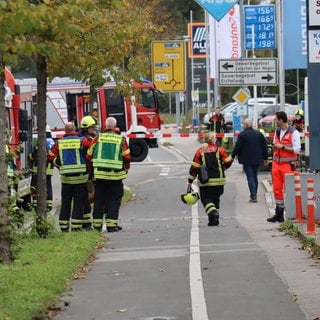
(278, 217)
(213, 218)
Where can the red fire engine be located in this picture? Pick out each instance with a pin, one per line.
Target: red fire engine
(18, 100)
(137, 116)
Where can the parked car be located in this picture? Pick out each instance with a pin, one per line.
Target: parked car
(267, 115)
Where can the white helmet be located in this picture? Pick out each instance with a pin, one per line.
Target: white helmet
(48, 129)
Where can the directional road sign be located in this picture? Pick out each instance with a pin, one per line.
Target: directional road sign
(168, 65)
(217, 8)
(248, 72)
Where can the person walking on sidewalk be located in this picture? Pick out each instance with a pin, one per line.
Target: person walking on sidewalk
(286, 147)
(110, 156)
(251, 149)
(216, 160)
(68, 155)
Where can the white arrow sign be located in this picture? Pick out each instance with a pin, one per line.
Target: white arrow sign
(239, 72)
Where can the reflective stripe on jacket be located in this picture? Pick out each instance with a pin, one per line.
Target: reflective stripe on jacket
(73, 169)
(282, 155)
(107, 157)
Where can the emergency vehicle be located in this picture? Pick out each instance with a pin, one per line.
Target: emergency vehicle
(18, 103)
(137, 116)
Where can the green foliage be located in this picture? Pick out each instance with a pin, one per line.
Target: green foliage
(42, 271)
(308, 243)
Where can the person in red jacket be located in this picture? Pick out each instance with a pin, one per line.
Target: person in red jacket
(217, 124)
(286, 147)
(216, 160)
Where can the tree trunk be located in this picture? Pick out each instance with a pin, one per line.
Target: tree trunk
(41, 211)
(5, 236)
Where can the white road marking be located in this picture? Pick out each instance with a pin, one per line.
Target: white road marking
(198, 302)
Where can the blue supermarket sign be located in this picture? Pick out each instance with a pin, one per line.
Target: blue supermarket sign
(260, 27)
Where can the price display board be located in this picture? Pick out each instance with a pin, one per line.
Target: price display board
(260, 27)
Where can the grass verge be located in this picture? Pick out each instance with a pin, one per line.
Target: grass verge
(44, 269)
(309, 244)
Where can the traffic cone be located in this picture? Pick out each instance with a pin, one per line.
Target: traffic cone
(298, 199)
(311, 227)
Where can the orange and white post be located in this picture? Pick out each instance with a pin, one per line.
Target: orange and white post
(298, 198)
(311, 227)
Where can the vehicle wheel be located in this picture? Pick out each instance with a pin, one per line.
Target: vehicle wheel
(138, 149)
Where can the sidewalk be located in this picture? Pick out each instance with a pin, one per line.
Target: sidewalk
(293, 265)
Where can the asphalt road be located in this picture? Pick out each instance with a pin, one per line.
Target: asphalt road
(168, 264)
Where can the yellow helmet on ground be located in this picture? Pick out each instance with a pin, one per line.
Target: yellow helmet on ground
(87, 121)
(190, 198)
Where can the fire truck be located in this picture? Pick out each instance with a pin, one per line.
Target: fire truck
(137, 115)
(18, 103)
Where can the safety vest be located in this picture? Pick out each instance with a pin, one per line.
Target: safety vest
(215, 169)
(73, 169)
(107, 157)
(282, 155)
(34, 166)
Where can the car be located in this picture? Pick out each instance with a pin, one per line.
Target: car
(268, 115)
(288, 108)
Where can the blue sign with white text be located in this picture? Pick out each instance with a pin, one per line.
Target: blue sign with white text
(260, 27)
(217, 8)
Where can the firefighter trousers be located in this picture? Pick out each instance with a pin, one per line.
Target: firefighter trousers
(73, 198)
(107, 201)
(210, 197)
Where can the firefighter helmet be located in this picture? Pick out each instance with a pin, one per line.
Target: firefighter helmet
(190, 198)
(87, 121)
(299, 112)
(48, 129)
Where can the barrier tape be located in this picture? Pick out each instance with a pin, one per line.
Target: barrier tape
(59, 134)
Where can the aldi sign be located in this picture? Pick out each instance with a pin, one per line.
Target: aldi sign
(197, 44)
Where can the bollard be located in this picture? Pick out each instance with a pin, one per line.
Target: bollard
(311, 227)
(298, 198)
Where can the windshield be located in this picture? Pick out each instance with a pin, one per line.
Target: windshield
(148, 98)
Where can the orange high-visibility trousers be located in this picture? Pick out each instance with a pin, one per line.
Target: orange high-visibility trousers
(279, 169)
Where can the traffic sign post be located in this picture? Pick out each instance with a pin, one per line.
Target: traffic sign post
(246, 72)
(259, 27)
(168, 65)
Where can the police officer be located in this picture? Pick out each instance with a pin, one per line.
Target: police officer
(68, 155)
(110, 156)
(88, 130)
(49, 172)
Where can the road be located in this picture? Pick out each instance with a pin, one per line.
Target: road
(168, 264)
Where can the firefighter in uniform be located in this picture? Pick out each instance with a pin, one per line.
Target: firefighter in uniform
(49, 173)
(88, 131)
(298, 123)
(216, 160)
(217, 124)
(286, 147)
(68, 155)
(110, 156)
